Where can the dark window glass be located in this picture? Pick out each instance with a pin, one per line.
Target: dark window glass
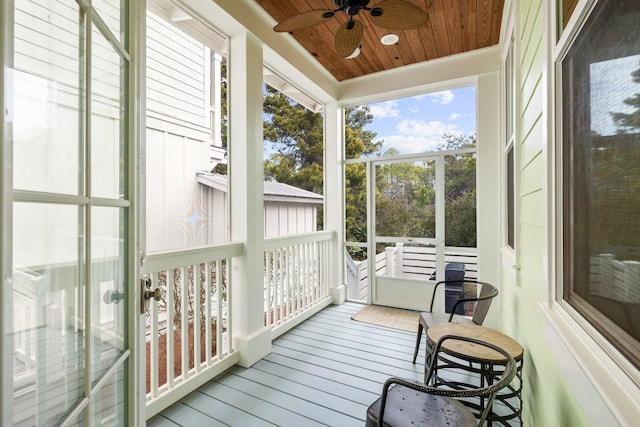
(510, 200)
(601, 173)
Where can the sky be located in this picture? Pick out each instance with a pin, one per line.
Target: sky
(416, 124)
(611, 83)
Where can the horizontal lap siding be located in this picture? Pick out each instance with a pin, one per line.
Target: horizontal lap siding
(176, 76)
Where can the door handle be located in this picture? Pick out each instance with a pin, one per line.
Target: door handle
(148, 293)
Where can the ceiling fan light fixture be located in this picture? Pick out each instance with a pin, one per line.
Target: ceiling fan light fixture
(389, 39)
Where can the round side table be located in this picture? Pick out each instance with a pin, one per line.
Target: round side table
(461, 362)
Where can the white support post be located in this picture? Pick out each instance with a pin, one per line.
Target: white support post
(389, 265)
(399, 260)
(334, 205)
(251, 337)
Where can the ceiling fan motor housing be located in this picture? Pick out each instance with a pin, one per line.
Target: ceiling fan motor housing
(352, 7)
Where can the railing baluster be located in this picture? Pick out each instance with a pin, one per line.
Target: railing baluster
(197, 287)
(154, 350)
(268, 320)
(290, 291)
(304, 276)
(170, 347)
(282, 296)
(207, 308)
(184, 321)
(220, 276)
(295, 277)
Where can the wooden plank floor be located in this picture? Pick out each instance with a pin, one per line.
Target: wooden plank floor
(325, 371)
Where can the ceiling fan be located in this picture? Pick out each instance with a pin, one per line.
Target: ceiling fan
(391, 14)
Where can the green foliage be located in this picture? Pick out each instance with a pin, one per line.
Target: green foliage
(296, 136)
(224, 107)
(405, 193)
(460, 192)
(405, 199)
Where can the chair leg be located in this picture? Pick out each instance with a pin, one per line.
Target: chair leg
(418, 338)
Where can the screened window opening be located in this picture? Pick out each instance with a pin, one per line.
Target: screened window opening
(601, 173)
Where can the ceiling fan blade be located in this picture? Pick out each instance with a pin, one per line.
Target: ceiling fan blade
(398, 15)
(348, 37)
(304, 20)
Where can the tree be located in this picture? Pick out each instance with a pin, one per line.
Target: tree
(296, 137)
(460, 191)
(297, 141)
(358, 143)
(629, 122)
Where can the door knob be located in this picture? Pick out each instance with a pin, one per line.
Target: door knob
(156, 294)
(148, 293)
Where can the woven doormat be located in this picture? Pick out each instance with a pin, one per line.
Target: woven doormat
(405, 320)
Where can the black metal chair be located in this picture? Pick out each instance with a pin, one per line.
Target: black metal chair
(407, 402)
(480, 300)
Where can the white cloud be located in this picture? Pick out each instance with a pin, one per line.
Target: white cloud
(445, 97)
(454, 116)
(384, 109)
(418, 136)
(411, 144)
(421, 128)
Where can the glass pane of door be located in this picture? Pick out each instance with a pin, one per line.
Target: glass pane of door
(46, 85)
(108, 226)
(408, 246)
(48, 335)
(405, 209)
(67, 139)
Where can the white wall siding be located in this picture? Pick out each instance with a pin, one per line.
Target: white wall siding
(176, 218)
(281, 218)
(175, 72)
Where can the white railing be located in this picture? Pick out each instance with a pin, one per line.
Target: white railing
(189, 331)
(296, 276)
(416, 262)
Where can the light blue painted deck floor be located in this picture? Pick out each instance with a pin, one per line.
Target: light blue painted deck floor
(325, 371)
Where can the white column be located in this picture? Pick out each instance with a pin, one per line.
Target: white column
(488, 181)
(334, 196)
(246, 187)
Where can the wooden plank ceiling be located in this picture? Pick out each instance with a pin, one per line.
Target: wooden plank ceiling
(454, 26)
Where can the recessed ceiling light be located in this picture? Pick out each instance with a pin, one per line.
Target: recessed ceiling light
(389, 39)
(354, 54)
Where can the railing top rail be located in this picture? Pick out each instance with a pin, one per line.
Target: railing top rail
(173, 259)
(296, 239)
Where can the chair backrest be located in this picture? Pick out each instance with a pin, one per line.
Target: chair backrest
(487, 294)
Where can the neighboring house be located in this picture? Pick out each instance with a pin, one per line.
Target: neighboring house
(287, 209)
(186, 206)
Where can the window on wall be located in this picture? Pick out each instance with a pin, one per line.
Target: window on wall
(510, 119)
(601, 173)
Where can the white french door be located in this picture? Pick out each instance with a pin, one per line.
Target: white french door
(68, 182)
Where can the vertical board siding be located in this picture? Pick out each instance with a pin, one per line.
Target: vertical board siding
(283, 218)
(177, 216)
